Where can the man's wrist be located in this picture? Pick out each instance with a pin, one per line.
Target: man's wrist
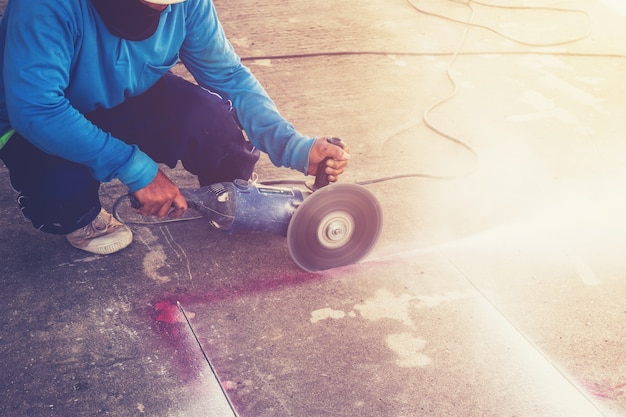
(139, 171)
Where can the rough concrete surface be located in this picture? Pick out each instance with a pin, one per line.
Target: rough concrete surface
(496, 288)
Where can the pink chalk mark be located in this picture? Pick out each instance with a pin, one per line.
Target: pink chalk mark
(606, 392)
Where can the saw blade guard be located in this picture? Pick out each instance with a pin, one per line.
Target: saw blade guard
(336, 226)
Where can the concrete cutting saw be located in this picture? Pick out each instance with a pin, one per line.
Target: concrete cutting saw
(326, 226)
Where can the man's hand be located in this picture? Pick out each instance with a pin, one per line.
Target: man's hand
(160, 198)
(335, 165)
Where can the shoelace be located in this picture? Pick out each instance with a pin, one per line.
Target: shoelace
(99, 224)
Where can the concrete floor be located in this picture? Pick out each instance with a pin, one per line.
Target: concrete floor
(496, 292)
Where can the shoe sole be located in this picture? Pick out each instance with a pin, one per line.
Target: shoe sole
(108, 248)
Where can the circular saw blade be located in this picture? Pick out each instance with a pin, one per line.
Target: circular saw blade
(336, 226)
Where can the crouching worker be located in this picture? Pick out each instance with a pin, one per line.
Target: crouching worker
(87, 97)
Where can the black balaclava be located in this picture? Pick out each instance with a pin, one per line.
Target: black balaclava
(128, 19)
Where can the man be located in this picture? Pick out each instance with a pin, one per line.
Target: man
(86, 97)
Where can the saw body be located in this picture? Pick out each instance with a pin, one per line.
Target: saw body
(334, 226)
(241, 206)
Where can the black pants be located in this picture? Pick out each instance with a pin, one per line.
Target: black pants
(173, 121)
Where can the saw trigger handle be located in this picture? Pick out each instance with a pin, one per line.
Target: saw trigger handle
(321, 177)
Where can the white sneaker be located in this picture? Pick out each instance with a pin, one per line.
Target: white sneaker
(103, 236)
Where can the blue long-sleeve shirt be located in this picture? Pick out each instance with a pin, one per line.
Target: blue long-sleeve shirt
(59, 61)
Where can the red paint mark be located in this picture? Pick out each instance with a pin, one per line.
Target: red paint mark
(168, 312)
(177, 338)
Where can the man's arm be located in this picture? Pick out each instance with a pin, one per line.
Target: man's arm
(38, 55)
(211, 59)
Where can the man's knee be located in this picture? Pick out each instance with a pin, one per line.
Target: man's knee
(217, 148)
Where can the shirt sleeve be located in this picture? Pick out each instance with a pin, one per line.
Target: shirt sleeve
(213, 63)
(39, 48)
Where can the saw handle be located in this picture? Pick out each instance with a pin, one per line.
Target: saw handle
(321, 177)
